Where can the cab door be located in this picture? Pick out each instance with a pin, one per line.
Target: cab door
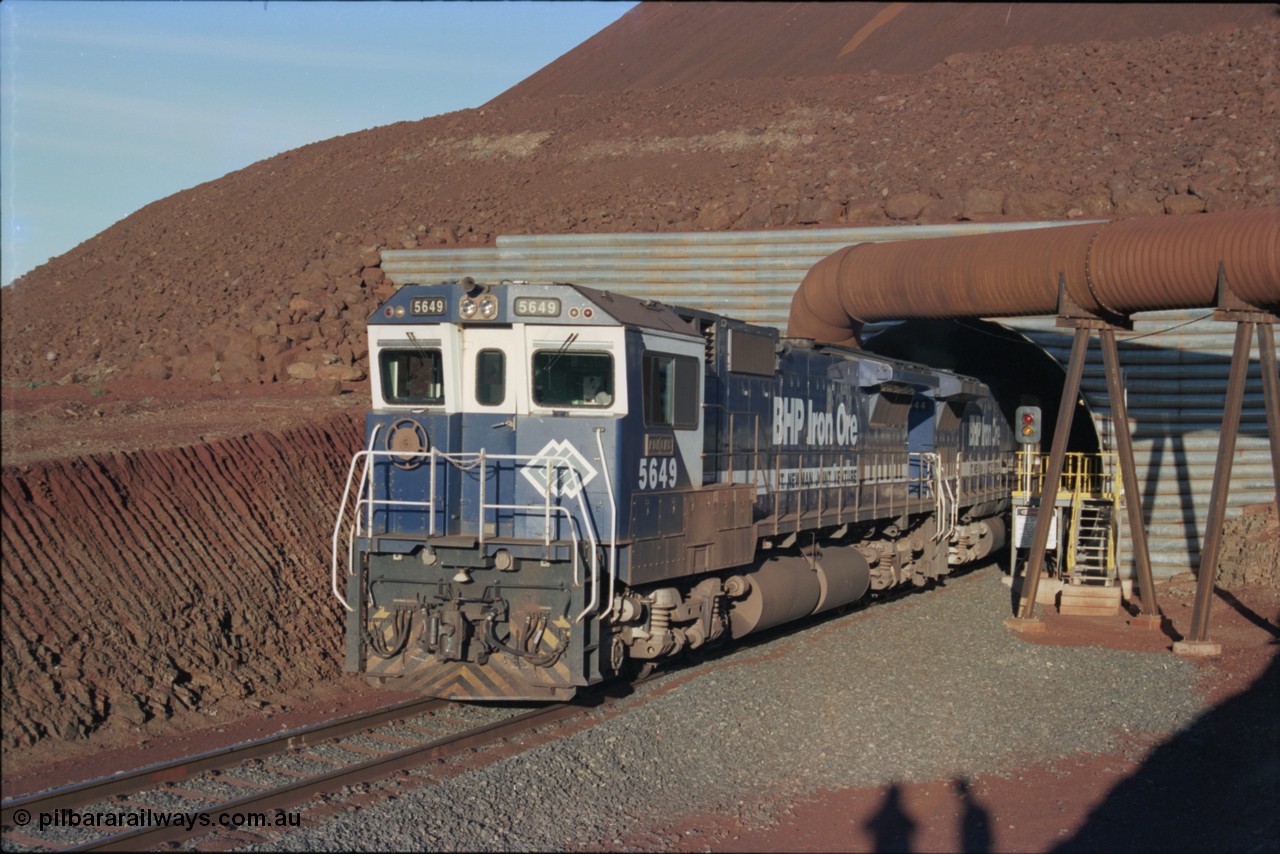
(492, 388)
(667, 462)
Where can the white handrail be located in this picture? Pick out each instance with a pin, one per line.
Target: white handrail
(342, 512)
(546, 517)
(613, 517)
(431, 491)
(366, 502)
(595, 558)
(337, 531)
(483, 509)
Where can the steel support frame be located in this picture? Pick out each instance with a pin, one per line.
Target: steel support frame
(1150, 612)
(1084, 322)
(1247, 318)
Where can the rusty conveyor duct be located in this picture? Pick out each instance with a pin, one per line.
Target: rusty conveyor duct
(1117, 267)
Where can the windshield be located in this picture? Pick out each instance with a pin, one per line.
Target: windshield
(412, 376)
(562, 379)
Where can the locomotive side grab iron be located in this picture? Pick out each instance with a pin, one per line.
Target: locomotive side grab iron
(559, 483)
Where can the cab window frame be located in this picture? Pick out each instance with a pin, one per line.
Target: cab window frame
(574, 371)
(397, 380)
(674, 402)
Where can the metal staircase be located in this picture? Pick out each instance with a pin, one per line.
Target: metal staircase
(1091, 546)
(1087, 505)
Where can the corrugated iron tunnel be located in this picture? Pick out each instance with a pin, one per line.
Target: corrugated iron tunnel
(1018, 371)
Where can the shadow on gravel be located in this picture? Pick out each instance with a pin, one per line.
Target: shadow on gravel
(1210, 788)
(891, 827)
(893, 830)
(975, 824)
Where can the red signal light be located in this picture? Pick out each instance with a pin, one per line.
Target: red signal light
(1028, 420)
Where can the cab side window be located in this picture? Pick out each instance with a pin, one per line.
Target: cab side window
(670, 390)
(491, 377)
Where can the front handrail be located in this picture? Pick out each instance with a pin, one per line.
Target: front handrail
(342, 514)
(613, 526)
(365, 504)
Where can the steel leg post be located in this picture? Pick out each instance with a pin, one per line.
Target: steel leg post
(1052, 475)
(1271, 397)
(1197, 642)
(1129, 476)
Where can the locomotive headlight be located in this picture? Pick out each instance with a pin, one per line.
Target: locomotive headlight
(488, 307)
(467, 308)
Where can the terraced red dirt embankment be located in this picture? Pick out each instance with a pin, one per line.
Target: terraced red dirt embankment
(149, 583)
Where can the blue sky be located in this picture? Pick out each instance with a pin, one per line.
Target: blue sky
(108, 106)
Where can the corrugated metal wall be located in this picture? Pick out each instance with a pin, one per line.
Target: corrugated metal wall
(750, 275)
(1175, 362)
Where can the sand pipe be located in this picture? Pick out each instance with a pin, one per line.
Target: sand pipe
(1117, 267)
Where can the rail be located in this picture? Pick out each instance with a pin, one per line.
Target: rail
(364, 503)
(201, 821)
(186, 767)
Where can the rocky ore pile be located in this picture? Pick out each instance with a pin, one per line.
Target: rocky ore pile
(268, 274)
(1251, 549)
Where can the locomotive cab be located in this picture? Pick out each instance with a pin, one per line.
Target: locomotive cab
(483, 514)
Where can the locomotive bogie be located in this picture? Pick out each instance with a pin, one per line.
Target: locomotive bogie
(558, 482)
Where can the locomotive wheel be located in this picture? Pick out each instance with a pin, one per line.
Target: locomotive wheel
(638, 670)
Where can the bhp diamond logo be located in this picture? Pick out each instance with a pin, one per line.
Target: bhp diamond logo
(560, 463)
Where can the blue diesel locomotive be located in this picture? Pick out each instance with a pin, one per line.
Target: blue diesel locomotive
(560, 485)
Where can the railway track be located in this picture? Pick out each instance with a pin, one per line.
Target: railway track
(247, 787)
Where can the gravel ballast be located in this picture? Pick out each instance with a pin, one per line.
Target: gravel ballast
(928, 687)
